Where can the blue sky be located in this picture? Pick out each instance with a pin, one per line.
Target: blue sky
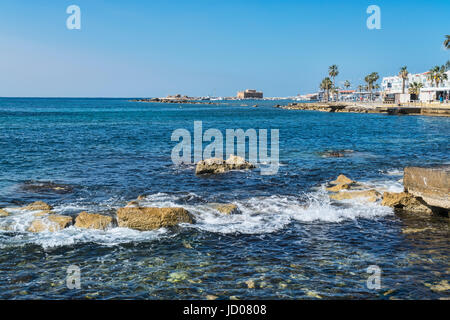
(154, 48)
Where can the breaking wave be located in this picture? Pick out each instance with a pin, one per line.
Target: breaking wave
(257, 215)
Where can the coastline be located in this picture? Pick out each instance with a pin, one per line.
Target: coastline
(359, 107)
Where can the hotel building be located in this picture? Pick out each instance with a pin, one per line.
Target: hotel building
(392, 87)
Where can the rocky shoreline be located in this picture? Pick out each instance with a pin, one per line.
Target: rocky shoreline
(353, 107)
(425, 192)
(170, 100)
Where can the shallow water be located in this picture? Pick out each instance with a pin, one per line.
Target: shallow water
(289, 238)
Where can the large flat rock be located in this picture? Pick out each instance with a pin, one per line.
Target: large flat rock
(431, 184)
(151, 218)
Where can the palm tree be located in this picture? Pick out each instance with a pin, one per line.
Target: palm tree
(432, 75)
(414, 88)
(447, 65)
(326, 85)
(370, 80)
(447, 42)
(404, 75)
(440, 75)
(333, 72)
(347, 83)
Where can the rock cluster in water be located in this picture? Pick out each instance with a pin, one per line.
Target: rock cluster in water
(133, 216)
(343, 188)
(426, 190)
(174, 100)
(357, 107)
(216, 165)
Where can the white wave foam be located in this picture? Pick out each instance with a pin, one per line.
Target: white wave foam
(269, 214)
(258, 215)
(393, 172)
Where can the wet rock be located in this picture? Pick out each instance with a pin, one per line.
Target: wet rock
(133, 203)
(282, 285)
(405, 201)
(46, 187)
(415, 230)
(442, 286)
(43, 213)
(389, 292)
(37, 205)
(313, 294)
(141, 197)
(51, 223)
(3, 213)
(339, 187)
(93, 221)
(177, 276)
(211, 166)
(225, 208)
(187, 245)
(343, 183)
(151, 218)
(216, 165)
(336, 153)
(430, 184)
(341, 179)
(238, 163)
(250, 284)
(368, 195)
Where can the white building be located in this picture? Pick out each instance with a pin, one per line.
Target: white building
(393, 85)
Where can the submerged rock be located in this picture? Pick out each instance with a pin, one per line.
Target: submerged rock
(3, 213)
(46, 187)
(405, 201)
(37, 205)
(93, 221)
(442, 286)
(430, 184)
(368, 195)
(216, 165)
(225, 208)
(177, 276)
(43, 213)
(51, 223)
(151, 218)
(335, 153)
(250, 284)
(415, 230)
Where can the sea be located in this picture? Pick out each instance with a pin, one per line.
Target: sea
(289, 240)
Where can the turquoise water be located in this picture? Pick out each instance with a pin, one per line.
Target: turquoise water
(290, 238)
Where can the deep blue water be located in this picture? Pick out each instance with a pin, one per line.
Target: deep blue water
(290, 238)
